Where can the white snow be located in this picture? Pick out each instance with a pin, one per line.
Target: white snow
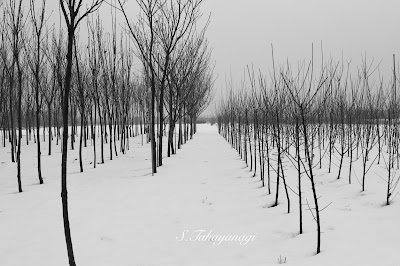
(122, 215)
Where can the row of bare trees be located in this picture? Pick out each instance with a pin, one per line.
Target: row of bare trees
(176, 63)
(56, 85)
(309, 119)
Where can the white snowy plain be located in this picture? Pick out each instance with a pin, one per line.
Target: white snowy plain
(122, 215)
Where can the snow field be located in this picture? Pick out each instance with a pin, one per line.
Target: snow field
(122, 215)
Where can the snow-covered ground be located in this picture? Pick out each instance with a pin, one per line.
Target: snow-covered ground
(122, 215)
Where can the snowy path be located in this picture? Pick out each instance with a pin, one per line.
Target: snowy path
(198, 189)
(121, 215)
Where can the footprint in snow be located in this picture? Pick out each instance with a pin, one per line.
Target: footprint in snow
(205, 201)
(106, 238)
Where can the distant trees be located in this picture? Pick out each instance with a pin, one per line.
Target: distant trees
(311, 119)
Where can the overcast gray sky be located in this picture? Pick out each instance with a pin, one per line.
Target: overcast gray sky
(241, 32)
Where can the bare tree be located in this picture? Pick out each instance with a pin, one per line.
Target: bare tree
(70, 10)
(16, 24)
(144, 35)
(38, 21)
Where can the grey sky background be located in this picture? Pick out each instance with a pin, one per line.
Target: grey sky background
(241, 32)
